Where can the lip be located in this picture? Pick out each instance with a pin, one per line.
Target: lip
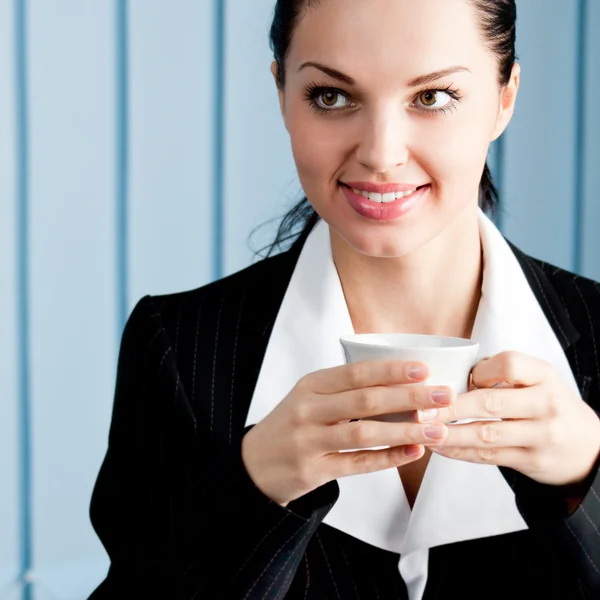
(381, 188)
(383, 211)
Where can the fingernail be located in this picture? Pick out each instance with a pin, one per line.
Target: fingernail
(441, 396)
(435, 432)
(412, 450)
(416, 372)
(428, 415)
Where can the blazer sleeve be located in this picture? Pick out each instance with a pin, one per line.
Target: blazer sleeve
(576, 532)
(179, 516)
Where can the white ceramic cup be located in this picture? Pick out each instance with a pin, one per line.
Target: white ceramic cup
(449, 359)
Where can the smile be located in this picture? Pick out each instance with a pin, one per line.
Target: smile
(390, 197)
(383, 207)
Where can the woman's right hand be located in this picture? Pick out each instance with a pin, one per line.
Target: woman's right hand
(296, 447)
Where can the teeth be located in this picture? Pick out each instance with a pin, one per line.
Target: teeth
(390, 197)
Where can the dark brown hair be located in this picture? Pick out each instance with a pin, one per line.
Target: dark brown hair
(497, 20)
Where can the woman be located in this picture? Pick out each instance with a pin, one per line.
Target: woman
(391, 106)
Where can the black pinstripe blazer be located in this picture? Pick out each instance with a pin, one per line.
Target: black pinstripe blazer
(180, 518)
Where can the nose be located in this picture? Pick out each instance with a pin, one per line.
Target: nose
(383, 143)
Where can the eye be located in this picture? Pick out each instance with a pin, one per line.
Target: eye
(328, 99)
(436, 100)
(324, 99)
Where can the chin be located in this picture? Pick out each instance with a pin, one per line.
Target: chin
(378, 244)
(394, 251)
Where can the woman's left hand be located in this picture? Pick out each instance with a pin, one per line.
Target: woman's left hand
(547, 431)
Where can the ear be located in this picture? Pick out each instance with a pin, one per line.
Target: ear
(507, 101)
(279, 89)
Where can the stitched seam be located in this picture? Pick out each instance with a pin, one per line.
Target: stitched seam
(350, 571)
(260, 542)
(240, 532)
(285, 584)
(191, 407)
(272, 559)
(581, 588)
(177, 328)
(148, 319)
(235, 345)
(307, 577)
(588, 518)
(591, 329)
(581, 546)
(328, 565)
(574, 346)
(195, 356)
(546, 300)
(308, 532)
(163, 358)
(152, 340)
(212, 397)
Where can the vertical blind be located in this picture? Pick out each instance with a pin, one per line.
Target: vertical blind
(140, 144)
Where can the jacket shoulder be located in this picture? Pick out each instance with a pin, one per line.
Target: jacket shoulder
(578, 297)
(264, 281)
(565, 281)
(562, 281)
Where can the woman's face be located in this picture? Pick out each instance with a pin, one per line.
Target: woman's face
(372, 124)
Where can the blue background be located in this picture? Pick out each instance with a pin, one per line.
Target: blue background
(140, 143)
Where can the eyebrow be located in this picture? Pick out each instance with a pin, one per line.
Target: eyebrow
(417, 81)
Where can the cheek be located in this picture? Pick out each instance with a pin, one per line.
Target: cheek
(318, 151)
(455, 151)
(316, 154)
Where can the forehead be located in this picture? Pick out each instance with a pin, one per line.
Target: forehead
(368, 38)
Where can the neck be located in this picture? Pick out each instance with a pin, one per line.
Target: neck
(399, 295)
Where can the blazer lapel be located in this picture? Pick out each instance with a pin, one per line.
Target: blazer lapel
(255, 304)
(556, 313)
(548, 298)
(266, 292)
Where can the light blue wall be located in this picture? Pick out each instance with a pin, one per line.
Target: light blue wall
(171, 110)
(551, 147)
(134, 133)
(9, 371)
(70, 55)
(590, 159)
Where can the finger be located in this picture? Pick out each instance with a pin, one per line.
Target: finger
(511, 367)
(366, 373)
(498, 434)
(380, 400)
(505, 403)
(370, 434)
(368, 461)
(516, 458)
